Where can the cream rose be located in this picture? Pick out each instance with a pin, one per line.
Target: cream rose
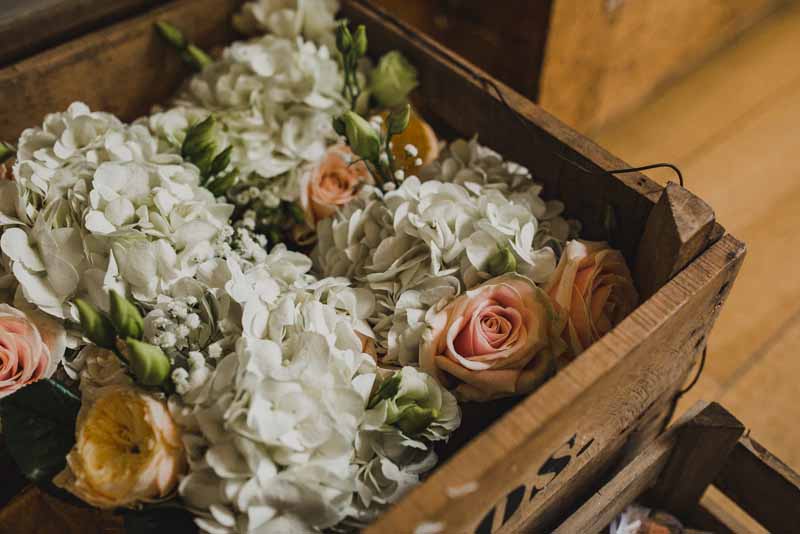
(331, 183)
(31, 346)
(593, 285)
(497, 340)
(127, 450)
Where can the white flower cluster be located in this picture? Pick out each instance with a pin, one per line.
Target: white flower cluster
(312, 19)
(274, 97)
(95, 206)
(430, 240)
(272, 429)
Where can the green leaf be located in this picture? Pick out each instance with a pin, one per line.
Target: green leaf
(157, 520)
(39, 427)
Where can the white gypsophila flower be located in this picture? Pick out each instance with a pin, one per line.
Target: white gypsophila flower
(97, 206)
(271, 436)
(430, 240)
(312, 19)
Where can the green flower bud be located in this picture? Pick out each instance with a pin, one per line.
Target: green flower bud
(199, 146)
(172, 34)
(360, 41)
(219, 186)
(415, 419)
(398, 120)
(149, 364)
(338, 125)
(95, 326)
(501, 262)
(363, 138)
(196, 57)
(344, 40)
(386, 390)
(6, 152)
(221, 161)
(125, 317)
(392, 80)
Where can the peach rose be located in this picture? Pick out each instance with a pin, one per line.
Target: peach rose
(31, 346)
(331, 184)
(593, 285)
(127, 450)
(496, 340)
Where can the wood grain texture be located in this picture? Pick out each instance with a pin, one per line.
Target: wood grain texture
(36, 512)
(676, 232)
(30, 26)
(761, 485)
(703, 446)
(605, 57)
(628, 484)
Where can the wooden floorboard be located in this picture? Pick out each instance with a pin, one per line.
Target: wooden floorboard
(733, 126)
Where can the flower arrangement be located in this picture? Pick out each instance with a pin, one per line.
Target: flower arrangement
(268, 301)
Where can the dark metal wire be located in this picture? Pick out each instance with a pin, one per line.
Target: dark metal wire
(490, 85)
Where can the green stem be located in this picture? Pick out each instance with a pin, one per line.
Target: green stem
(389, 154)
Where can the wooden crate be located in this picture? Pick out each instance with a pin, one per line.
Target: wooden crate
(706, 447)
(585, 61)
(532, 464)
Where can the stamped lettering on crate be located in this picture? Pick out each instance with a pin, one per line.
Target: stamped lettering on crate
(547, 473)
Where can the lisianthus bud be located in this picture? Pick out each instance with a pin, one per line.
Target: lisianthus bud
(501, 262)
(362, 137)
(360, 40)
(149, 364)
(344, 39)
(95, 326)
(172, 34)
(393, 79)
(199, 146)
(398, 120)
(125, 317)
(220, 185)
(221, 161)
(6, 152)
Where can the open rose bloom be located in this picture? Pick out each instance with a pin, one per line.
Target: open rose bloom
(127, 450)
(31, 346)
(331, 184)
(593, 285)
(497, 340)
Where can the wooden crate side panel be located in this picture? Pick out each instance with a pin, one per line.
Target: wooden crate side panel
(578, 418)
(124, 69)
(627, 485)
(30, 26)
(762, 486)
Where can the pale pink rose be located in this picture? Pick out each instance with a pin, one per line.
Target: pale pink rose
(31, 347)
(332, 183)
(593, 285)
(127, 450)
(494, 341)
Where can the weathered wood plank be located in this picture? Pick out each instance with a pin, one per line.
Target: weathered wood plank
(761, 485)
(30, 26)
(677, 230)
(626, 486)
(700, 453)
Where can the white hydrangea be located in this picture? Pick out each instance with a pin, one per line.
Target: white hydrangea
(312, 19)
(430, 240)
(97, 206)
(271, 433)
(274, 97)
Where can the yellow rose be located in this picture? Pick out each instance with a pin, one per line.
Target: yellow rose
(593, 285)
(127, 450)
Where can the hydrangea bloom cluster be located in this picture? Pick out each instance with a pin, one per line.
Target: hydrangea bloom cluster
(96, 205)
(429, 240)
